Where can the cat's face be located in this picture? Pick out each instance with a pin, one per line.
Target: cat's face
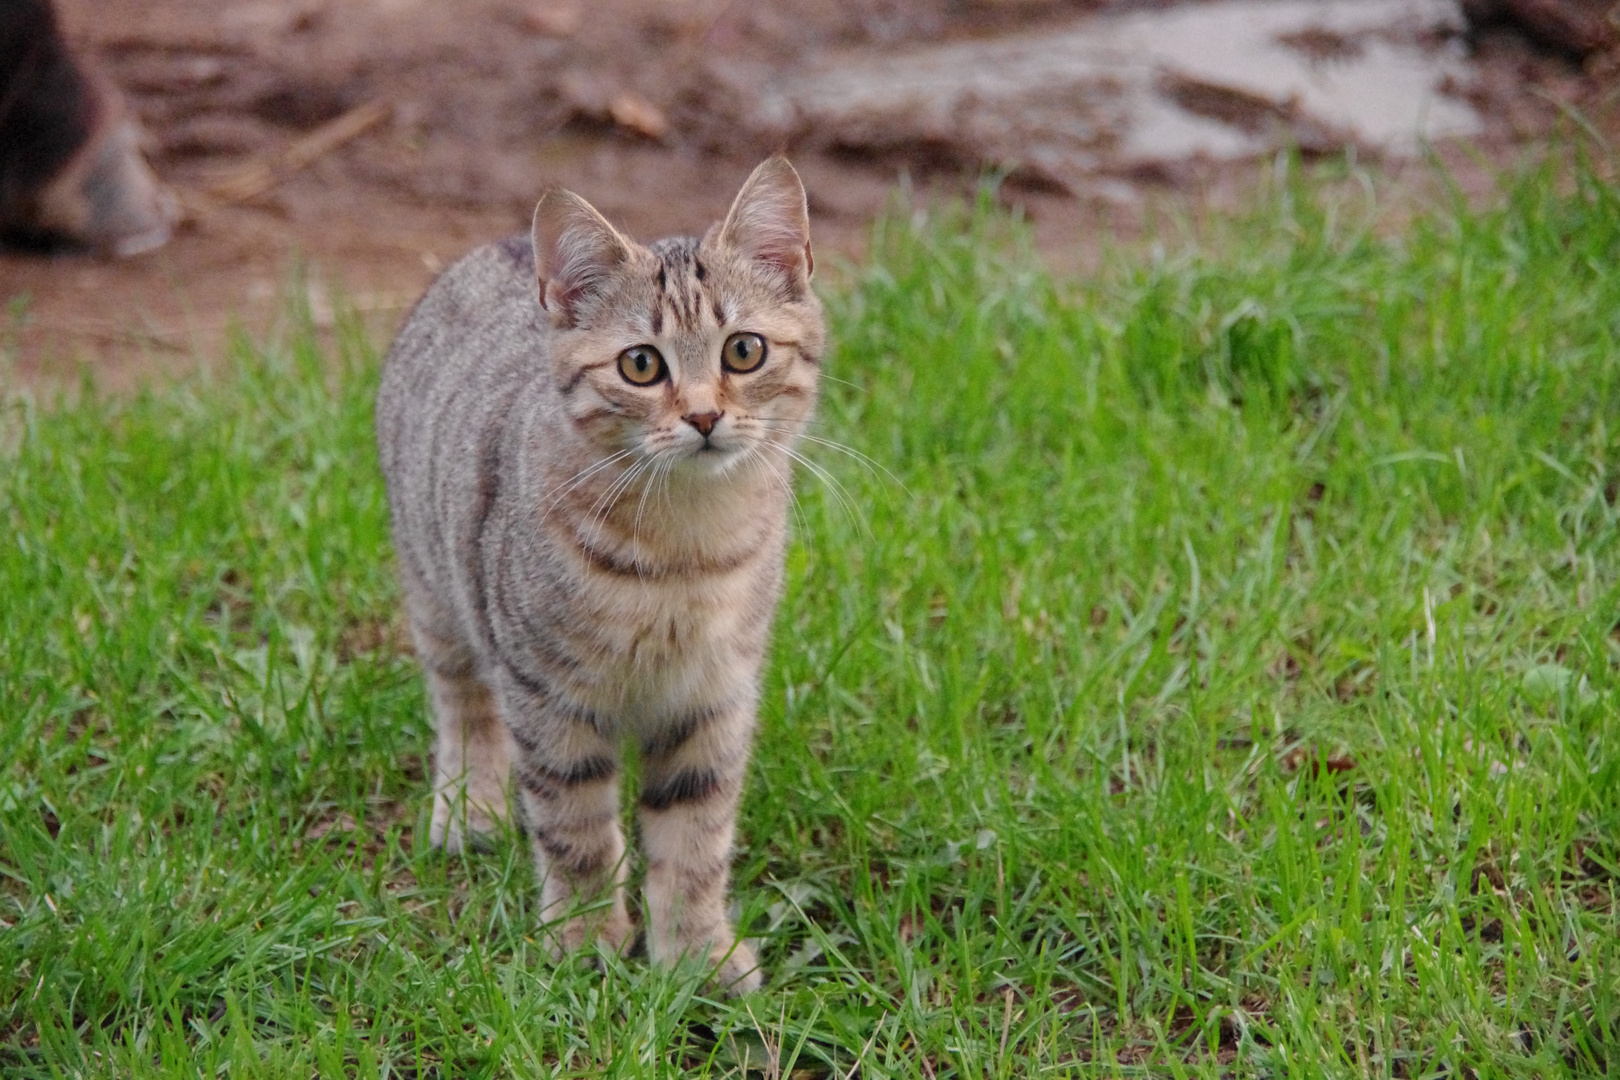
(691, 358)
(688, 355)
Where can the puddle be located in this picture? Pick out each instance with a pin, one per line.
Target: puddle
(1220, 80)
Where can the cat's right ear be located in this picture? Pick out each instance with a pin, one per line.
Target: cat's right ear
(575, 251)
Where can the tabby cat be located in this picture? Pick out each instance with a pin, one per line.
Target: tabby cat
(589, 446)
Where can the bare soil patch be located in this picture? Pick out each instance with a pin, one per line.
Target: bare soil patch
(373, 141)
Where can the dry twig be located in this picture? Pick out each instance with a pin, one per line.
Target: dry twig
(256, 177)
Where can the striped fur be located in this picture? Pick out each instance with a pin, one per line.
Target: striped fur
(585, 563)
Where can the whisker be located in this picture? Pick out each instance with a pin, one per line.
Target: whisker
(609, 498)
(872, 465)
(839, 491)
(663, 484)
(577, 479)
(661, 460)
(755, 453)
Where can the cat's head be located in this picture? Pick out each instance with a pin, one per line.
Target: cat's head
(696, 353)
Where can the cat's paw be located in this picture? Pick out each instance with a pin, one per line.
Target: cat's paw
(580, 932)
(737, 970)
(460, 824)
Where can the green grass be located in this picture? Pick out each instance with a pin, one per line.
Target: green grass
(1225, 683)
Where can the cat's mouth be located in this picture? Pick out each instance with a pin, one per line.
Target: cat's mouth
(711, 453)
(712, 446)
(712, 457)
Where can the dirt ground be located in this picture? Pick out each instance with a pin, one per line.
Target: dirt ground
(373, 141)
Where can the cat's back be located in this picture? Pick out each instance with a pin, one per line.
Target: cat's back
(468, 344)
(468, 355)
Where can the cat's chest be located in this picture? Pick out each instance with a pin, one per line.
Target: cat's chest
(686, 639)
(666, 616)
(659, 608)
(661, 588)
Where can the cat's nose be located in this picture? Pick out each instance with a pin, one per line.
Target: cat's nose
(703, 421)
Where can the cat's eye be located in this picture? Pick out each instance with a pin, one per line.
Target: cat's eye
(641, 365)
(743, 353)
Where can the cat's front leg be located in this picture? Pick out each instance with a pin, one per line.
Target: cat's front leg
(568, 775)
(472, 763)
(692, 779)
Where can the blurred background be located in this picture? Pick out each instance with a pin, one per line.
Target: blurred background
(371, 142)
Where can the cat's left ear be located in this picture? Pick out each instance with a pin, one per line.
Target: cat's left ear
(769, 223)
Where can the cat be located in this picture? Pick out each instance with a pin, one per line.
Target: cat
(588, 447)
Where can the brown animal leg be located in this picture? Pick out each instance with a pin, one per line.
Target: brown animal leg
(70, 161)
